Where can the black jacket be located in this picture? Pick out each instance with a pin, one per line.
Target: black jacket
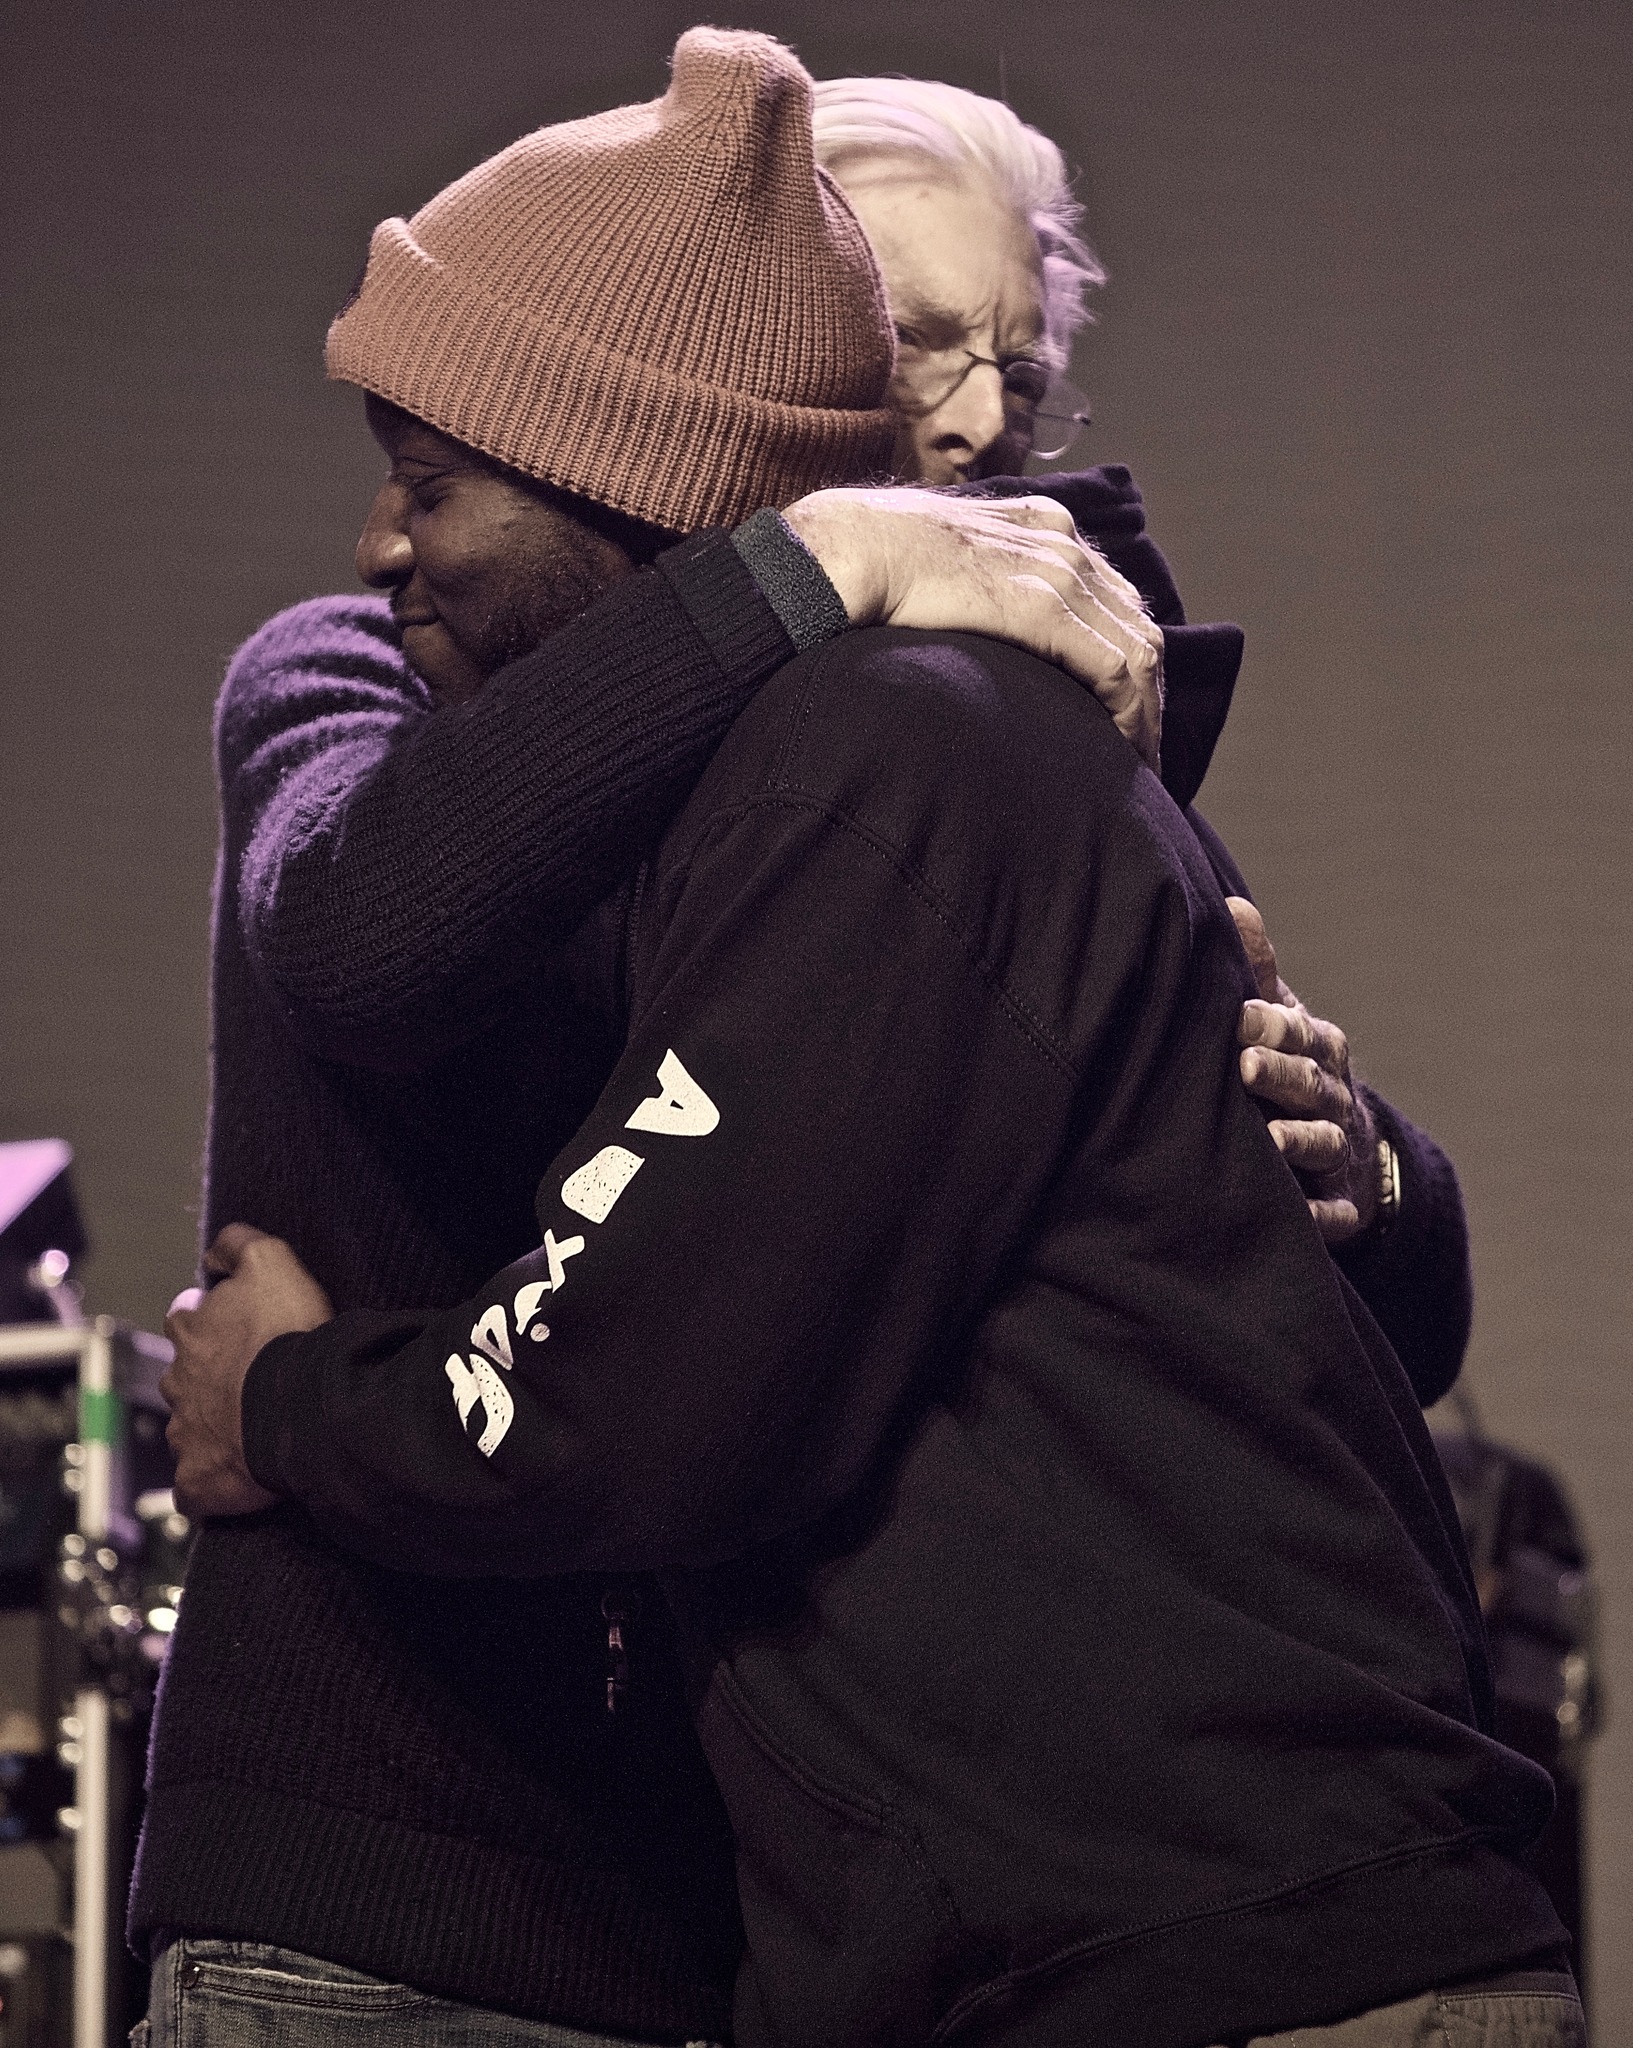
(1080, 1619)
(1415, 1278)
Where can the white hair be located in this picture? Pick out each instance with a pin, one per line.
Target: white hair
(856, 117)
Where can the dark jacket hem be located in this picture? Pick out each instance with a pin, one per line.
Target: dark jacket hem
(1303, 1955)
(485, 1925)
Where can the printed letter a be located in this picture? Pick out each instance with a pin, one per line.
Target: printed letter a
(680, 1109)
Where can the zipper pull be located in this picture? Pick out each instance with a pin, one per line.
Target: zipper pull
(618, 1608)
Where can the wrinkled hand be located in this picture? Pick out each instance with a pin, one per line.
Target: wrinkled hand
(1012, 568)
(263, 1293)
(1300, 1064)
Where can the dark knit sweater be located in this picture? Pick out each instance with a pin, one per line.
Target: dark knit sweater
(417, 1780)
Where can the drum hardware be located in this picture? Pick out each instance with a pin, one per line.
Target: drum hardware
(93, 1579)
(91, 1566)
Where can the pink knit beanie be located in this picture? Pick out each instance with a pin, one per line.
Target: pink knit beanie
(667, 308)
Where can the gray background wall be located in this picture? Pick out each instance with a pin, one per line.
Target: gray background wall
(1366, 347)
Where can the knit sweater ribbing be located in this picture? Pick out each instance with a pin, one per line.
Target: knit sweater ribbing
(414, 1779)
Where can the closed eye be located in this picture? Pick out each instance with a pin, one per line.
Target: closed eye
(427, 487)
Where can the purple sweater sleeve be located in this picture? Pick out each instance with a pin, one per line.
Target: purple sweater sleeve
(401, 866)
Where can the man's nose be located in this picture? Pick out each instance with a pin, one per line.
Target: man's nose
(974, 413)
(385, 554)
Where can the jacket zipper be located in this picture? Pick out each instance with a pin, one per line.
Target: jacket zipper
(620, 1609)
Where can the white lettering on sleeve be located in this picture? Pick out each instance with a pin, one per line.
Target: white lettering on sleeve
(496, 1400)
(596, 1186)
(527, 1303)
(463, 1382)
(491, 1334)
(477, 1381)
(558, 1255)
(680, 1109)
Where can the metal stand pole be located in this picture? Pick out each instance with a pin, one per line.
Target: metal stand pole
(93, 1772)
(94, 1588)
(91, 1872)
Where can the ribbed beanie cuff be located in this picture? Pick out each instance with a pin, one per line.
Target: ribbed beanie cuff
(667, 308)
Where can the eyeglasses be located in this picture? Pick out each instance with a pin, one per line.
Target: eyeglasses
(1049, 411)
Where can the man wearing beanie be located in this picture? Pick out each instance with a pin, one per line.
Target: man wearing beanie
(657, 321)
(1079, 1630)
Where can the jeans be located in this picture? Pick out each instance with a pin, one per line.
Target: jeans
(1522, 2009)
(243, 1994)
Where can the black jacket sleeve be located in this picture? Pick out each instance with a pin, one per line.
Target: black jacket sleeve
(402, 867)
(1414, 1277)
(765, 1237)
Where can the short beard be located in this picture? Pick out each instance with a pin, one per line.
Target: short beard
(540, 603)
(544, 595)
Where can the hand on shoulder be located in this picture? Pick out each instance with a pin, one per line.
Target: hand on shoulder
(1012, 568)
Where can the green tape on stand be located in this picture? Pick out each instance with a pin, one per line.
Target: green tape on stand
(99, 1416)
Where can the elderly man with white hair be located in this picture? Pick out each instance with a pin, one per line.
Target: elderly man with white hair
(978, 234)
(979, 237)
